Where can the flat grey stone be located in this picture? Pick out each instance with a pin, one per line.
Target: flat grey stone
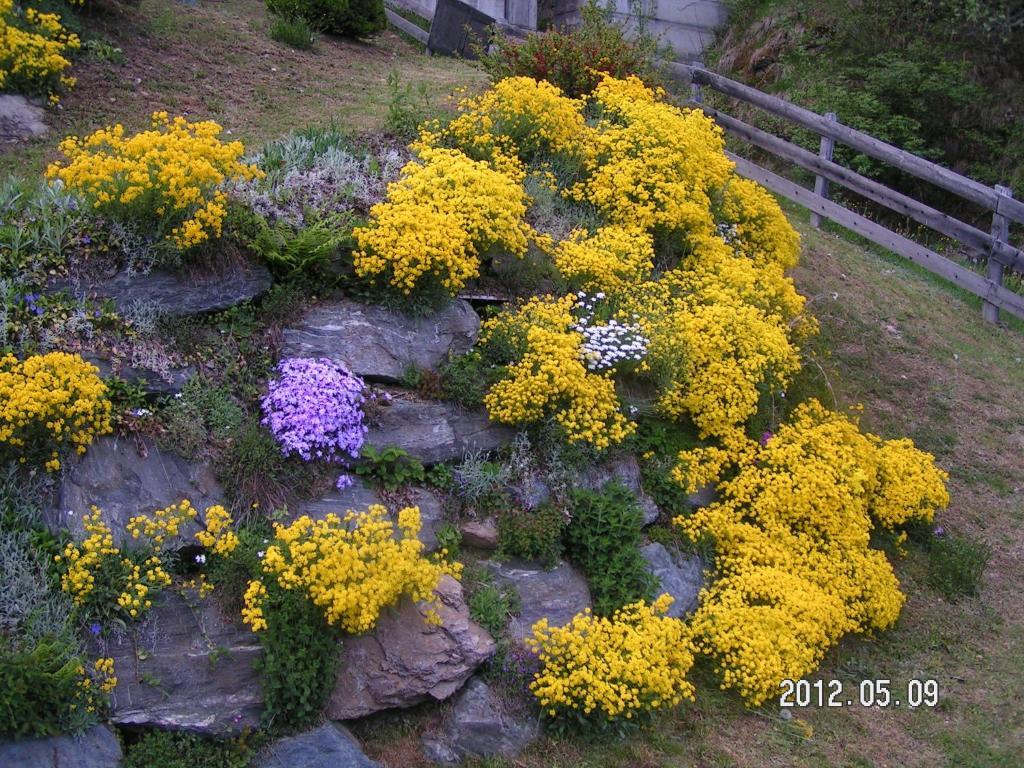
(378, 344)
(556, 595)
(329, 746)
(98, 747)
(703, 497)
(405, 660)
(115, 477)
(20, 119)
(189, 668)
(176, 293)
(434, 432)
(169, 382)
(479, 725)
(482, 534)
(680, 576)
(624, 469)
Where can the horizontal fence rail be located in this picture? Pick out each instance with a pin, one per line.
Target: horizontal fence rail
(993, 246)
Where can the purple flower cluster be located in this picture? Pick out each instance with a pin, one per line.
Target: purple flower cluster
(314, 409)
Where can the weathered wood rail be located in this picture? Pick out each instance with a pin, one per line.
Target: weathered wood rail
(992, 247)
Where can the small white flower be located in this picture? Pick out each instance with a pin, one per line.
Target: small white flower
(201, 559)
(260, 554)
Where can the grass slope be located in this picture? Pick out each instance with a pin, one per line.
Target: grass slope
(214, 59)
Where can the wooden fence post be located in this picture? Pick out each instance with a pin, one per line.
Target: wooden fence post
(820, 182)
(1001, 232)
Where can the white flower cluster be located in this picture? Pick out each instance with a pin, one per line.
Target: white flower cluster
(729, 233)
(605, 346)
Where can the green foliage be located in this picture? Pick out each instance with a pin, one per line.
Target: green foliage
(955, 565)
(604, 539)
(38, 686)
(449, 539)
(307, 252)
(390, 468)
(408, 107)
(350, 18)
(490, 606)
(178, 749)
(466, 379)
(532, 534)
(103, 50)
(293, 32)
(300, 652)
(204, 411)
(571, 58)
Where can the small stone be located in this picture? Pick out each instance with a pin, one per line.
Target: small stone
(329, 746)
(169, 382)
(703, 497)
(20, 119)
(482, 534)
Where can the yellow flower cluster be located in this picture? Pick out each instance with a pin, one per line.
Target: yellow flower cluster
(104, 669)
(169, 177)
(33, 51)
(614, 667)
(97, 573)
(550, 377)
(218, 536)
(56, 399)
(164, 523)
(517, 118)
(351, 567)
(792, 533)
(613, 259)
(445, 212)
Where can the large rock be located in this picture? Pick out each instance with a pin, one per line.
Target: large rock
(176, 293)
(359, 496)
(479, 725)
(482, 534)
(329, 746)
(379, 344)
(189, 668)
(20, 119)
(405, 660)
(98, 747)
(679, 575)
(556, 595)
(114, 476)
(434, 432)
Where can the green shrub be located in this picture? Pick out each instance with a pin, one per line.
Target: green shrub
(491, 607)
(572, 58)
(176, 749)
(465, 379)
(300, 653)
(604, 540)
(39, 688)
(390, 468)
(449, 539)
(293, 32)
(532, 534)
(351, 18)
(408, 107)
(309, 251)
(956, 564)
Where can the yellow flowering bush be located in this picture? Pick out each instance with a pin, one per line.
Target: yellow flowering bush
(168, 179)
(217, 536)
(549, 377)
(34, 50)
(105, 581)
(613, 667)
(792, 533)
(350, 567)
(49, 402)
(614, 259)
(439, 220)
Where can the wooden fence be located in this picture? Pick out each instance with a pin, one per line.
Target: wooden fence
(991, 247)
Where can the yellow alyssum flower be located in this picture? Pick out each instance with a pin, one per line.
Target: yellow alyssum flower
(438, 219)
(792, 536)
(351, 567)
(549, 376)
(169, 177)
(616, 666)
(218, 536)
(34, 50)
(57, 398)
